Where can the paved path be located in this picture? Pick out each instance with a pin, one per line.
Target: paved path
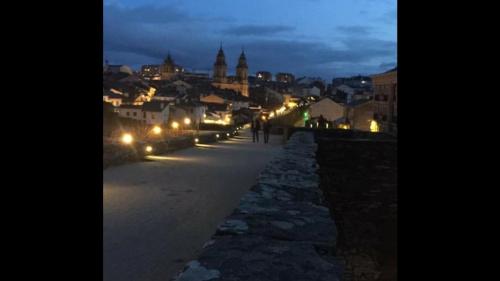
(159, 213)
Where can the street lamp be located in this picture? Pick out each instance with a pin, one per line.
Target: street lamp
(196, 140)
(187, 121)
(156, 130)
(127, 138)
(175, 125)
(149, 149)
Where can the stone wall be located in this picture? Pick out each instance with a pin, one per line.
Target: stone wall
(281, 229)
(117, 154)
(114, 154)
(359, 179)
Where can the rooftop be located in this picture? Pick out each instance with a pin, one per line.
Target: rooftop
(154, 106)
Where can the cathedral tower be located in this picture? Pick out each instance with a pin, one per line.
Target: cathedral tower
(220, 67)
(242, 69)
(167, 68)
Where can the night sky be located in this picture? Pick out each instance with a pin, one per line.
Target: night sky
(326, 38)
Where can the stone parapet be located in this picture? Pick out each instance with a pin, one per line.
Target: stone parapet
(281, 229)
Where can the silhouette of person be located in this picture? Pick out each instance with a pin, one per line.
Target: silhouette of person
(255, 130)
(321, 121)
(266, 127)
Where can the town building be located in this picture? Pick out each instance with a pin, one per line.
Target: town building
(169, 70)
(235, 100)
(150, 72)
(359, 114)
(151, 113)
(213, 98)
(217, 114)
(112, 98)
(358, 81)
(356, 115)
(285, 77)
(310, 91)
(155, 112)
(385, 92)
(328, 108)
(238, 83)
(195, 112)
(264, 76)
(131, 111)
(118, 69)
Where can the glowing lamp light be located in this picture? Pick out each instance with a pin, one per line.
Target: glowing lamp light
(157, 130)
(217, 136)
(327, 125)
(149, 149)
(374, 126)
(227, 134)
(175, 125)
(196, 140)
(127, 139)
(187, 121)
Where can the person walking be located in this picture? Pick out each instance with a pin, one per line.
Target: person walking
(255, 130)
(266, 128)
(321, 122)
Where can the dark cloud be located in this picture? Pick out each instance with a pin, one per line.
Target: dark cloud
(145, 14)
(136, 36)
(258, 30)
(354, 29)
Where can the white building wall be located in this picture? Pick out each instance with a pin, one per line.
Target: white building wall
(131, 113)
(157, 118)
(328, 108)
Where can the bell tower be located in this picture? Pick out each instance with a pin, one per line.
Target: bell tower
(220, 67)
(242, 69)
